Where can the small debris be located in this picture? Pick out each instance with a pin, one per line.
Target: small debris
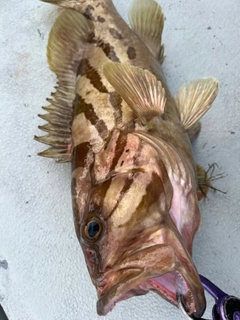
(41, 34)
(4, 264)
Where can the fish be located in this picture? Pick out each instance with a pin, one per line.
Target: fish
(134, 179)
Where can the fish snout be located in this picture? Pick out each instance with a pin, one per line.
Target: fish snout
(159, 268)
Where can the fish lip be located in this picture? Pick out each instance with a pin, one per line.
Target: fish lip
(139, 280)
(116, 293)
(137, 285)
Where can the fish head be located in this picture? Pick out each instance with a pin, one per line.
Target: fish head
(132, 246)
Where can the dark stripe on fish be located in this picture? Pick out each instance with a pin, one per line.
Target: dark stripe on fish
(80, 153)
(120, 146)
(109, 51)
(131, 52)
(126, 187)
(86, 69)
(97, 196)
(116, 100)
(116, 35)
(153, 191)
(90, 115)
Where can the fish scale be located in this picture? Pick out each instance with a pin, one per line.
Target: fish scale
(134, 179)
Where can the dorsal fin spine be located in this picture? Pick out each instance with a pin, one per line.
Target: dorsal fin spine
(67, 42)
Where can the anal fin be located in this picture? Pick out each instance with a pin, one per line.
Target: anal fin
(66, 46)
(147, 20)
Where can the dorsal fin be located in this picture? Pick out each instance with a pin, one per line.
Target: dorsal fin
(194, 99)
(147, 20)
(66, 45)
(141, 90)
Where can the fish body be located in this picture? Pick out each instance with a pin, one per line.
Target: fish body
(134, 182)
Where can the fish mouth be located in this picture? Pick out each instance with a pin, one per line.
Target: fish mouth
(139, 274)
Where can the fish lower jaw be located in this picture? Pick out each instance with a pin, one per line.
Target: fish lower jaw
(169, 286)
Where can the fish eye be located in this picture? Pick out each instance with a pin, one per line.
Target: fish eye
(92, 228)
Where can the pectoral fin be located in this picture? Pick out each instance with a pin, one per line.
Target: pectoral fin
(147, 20)
(66, 45)
(139, 88)
(193, 100)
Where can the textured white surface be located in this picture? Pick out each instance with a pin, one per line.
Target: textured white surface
(46, 277)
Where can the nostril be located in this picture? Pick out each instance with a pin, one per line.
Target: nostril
(91, 255)
(107, 268)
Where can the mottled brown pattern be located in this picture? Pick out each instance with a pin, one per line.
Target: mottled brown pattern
(88, 12)
(131, 52)
(86, 69)
(101, 19)
(109, 51)
(116, 34)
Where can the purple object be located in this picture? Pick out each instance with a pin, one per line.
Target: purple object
(226, 307)
(236, 315)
